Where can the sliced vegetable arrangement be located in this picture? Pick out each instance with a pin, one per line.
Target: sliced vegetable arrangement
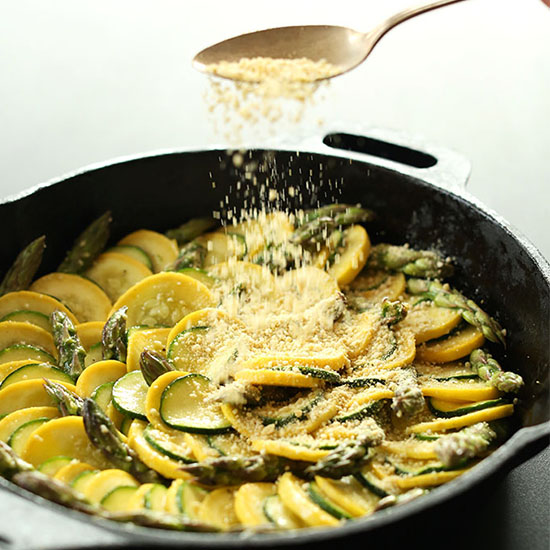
(279, 373)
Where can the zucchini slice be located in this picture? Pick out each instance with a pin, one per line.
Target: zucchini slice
(172, 444)
(201, 275)
(200, 447)
(154, 394)
(51, 466)
(7, 368)
(362, 411)
(390, 349)
(36, 371)
(137, 500)
(93, 355)
(351, 259)
(161, 250)
(105, 482)
(103, 394)
(189, 498)
(20, 352)
(97, 374)
(295, 497)
(140, 339)
(448, 409)
(27, 300)
(129, 393)
(28, 316)
(16, 333)
(184, 406)
(119, 499)
(72, 470)
(85, 299)
(444, 424)
(372, 483)
(371, 286)
(62, 436)
(163, 299)
(155, 498)
(13, 420)
(115, 273)
(83, 478)
(249, 500)
(455, 346)
(325, 502)
(28, 393)
(18, 439)
(157, 461)
(218, 509)
(134, 252)
(281, 516)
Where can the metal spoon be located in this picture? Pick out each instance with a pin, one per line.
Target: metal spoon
(340, 46)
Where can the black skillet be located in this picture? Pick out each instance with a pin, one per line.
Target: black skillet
(419, 196)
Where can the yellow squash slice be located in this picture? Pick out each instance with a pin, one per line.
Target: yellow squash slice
(89, 333)
(453, 347)
(115, 273)
(270, 377)
(418, 450)
(218, 509)
(85, 299)
(97, 374)
(349, 495)
(13, 420)
(427, 321)
(154, 394)
(71, 471)
(140, 339)
(293, 495)
(371, 286)
(444, 424)
(51, 466)
(27, 300)
(28, 393)
(220, 247)
(351, 260)
(120, 499)
(12, 333)
(457, 390)
(289, 450)
(62, 436)
(162, 250)
(335, 359)
(163, 299)
(425, 480)
(7, 368)
(249, 500)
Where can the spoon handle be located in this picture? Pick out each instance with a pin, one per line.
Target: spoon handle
(379, 31)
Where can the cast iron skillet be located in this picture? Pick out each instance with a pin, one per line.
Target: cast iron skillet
(418, 194)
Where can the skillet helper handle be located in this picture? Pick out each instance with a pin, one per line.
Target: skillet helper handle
(399, 151)
(36, 524)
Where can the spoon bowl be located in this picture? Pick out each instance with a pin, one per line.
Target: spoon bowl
(342, 47)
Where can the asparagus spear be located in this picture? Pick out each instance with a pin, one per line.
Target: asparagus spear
(114, 338)
(347, 459)
(331, 211)
(190, 230)
(153, 365)
(87, 246)
(320, 224)
(392, 312)
(416, 263)
(68, 403)
(24, 268)
(407, 395)
(444, 296)
(453, 449)
(488, 368)
(191, 254)
(67, 342)
(105, 437)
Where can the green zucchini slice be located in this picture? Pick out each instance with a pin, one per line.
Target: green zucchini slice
(370, 409)
(155, 498)
(184, 406)
(20, 436)
(368, 480)
(19, 352)
(201, 275)
(119, 498)
(52, 465)
(30, 372)
(188, 499)
(298, 409)
(171, 445)
(103, 394)
(129, 394)
(328, 505)
(28, 316)
(328, 375)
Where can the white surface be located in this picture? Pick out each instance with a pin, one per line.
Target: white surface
(87, 81)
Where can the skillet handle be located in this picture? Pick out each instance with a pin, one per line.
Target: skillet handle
(399, 151)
